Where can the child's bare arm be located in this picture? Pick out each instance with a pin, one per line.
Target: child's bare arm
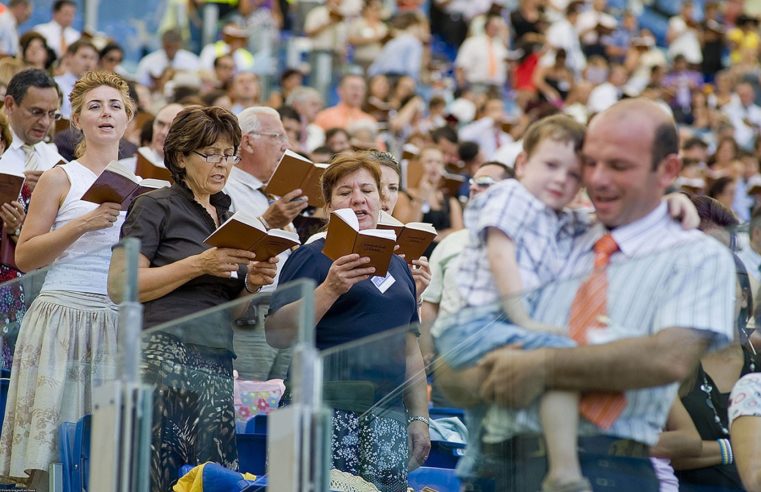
(501, 253)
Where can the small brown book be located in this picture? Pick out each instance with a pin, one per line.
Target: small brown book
(296, 172)
(10, 187)
(412, 238)
(61, 125)
(148, 170)
(413, 173)
(243, 231)
(451, 183)
(345, 238)
(117, 184)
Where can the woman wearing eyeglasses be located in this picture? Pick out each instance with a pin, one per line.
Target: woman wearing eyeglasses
(67, 341)
(179, 275)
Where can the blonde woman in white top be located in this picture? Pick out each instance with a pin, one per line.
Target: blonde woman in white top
(67, 342)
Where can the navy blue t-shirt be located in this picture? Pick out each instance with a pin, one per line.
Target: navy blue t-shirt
(360, 312)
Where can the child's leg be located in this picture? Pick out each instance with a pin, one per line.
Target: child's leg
(559, 414)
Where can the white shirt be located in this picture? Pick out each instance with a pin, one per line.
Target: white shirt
(51, 31)
(445, 265)
(737, 113)
(588, 20)
(752, 262)
(662, 277)
(245, 192)
(686, 43)
(562, 34)
(66, 84)
(488, 136)
(243, 59)
(131, 162)
(8, 33)
(473, 59)
(153, 65)
(12, 161)
(508, 153)
(602, 97)
(333, 38)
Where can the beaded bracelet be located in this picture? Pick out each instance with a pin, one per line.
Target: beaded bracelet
(725, 449)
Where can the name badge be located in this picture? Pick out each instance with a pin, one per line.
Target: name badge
(383, 283)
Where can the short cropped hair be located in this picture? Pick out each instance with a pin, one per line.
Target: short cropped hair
(196, 127)
(558, 127)
(346, 163)
(32, 77)
(665, 143)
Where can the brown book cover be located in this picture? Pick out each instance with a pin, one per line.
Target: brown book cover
(148, 170)
(10, 187)
(296, 172)
(451, 183)
(61, 125)
(412, 238)
(413, 174)
(344, 238)
(242, 231)
(117, 184)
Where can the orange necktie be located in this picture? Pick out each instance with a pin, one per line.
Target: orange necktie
(492, 62)
(588, 308)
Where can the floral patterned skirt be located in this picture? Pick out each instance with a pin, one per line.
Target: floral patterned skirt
(12, 309)
(193, 412)
(66, 347)
(372, 447)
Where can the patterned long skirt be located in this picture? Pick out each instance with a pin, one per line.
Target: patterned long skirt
(372, 447)
(193, 412)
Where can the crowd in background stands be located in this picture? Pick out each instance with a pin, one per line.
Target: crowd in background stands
(452, 84)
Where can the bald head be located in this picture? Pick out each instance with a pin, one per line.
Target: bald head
(161, 125)
(646, 116)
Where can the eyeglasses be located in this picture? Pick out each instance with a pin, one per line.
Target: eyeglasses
(38, 113)
(217, 158)
(482, 182)
(281, 137)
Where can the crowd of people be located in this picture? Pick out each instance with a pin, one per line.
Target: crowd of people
(588, 298)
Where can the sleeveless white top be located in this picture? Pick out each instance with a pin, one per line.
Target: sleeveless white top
(83, 266)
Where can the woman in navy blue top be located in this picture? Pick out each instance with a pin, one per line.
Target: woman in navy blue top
(350, 303)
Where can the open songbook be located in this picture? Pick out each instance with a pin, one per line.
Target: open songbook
(148, 170)
(344, 238)
(244, 231)
(295, 172)
(412, 238)
(118, 184)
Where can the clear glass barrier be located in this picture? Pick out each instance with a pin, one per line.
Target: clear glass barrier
(60, 344)
(201, 410)
(368, 383)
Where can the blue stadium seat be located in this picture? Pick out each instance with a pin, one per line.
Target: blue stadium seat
(444, 454)
(434, 478)
(5, 381)
(74, 444)
(656, 23)
(252, 446)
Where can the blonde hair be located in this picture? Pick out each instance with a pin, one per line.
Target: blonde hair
(91, 81)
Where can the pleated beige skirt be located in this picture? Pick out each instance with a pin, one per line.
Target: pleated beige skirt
(66, 347)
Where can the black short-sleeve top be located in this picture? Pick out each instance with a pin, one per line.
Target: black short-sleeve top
(171, 225)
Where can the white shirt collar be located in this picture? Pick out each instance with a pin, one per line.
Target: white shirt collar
(634, 238)
(17, 142)
(246, 179)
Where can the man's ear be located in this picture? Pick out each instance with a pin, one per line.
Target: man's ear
(9, 104)
(669, 169)
(520, 163)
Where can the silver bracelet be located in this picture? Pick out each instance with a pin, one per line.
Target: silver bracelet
(245, 285)
(420, 418)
